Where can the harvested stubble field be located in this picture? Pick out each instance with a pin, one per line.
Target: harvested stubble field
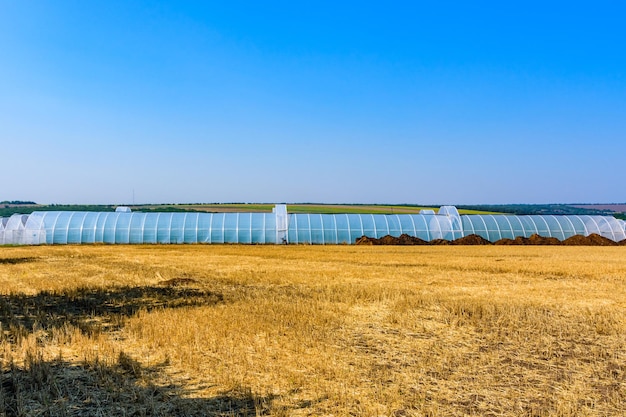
(312, 330)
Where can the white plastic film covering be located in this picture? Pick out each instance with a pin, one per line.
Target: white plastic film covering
(455, 220)
(121, 227)
(496, 227)
(279, 227)
(282, 223)
(347, 228)
(13, 231)
(34, 231)
(3, 221)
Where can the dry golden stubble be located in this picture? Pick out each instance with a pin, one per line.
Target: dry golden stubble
(305, 330)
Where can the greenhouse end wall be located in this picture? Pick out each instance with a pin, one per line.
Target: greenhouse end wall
(65, 227)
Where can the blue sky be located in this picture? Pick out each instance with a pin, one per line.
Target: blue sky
(346, 102)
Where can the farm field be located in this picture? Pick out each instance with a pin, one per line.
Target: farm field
(317, 208)
(7, 210)
(234, 330)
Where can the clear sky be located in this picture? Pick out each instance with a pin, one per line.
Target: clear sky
(344, 101)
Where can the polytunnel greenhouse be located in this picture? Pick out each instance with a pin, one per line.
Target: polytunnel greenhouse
(125, 227)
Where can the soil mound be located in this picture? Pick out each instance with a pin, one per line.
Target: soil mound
(388, 240)
(519, 240)
(405, 239)
(364, 240)
(471, 240)
(439, 242)
(506, 241)
(601, 240)
(591, 240)
(523, 241)
(542, 240)
(402, 240)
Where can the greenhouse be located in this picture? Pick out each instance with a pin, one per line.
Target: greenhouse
(126, 227)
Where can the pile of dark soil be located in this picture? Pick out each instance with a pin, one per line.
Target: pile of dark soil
(532, 240)
(402, 240)
(364, 240)
(389, 240)
(517, 241)
(577, 240)
(405, 239)
(436, 242)
(471, 240)
(591, 240)
(542, 240)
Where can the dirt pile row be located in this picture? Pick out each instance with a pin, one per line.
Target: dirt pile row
(577, 240)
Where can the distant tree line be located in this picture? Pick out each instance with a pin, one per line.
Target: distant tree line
(8, 211)
(549, 209)
(167, 210)
(18, 202)
(8, 208)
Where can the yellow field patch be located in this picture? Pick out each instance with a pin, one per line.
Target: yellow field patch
(312, 330)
